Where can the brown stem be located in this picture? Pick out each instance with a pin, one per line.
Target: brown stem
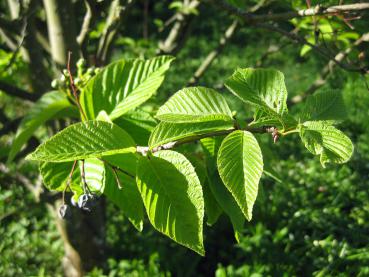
(74, 89)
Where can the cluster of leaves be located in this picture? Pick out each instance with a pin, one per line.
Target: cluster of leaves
(176, 188)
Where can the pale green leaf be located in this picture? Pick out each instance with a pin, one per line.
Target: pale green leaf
(123, 85)
(172, 195)
(94, 174)
(195, 104)
(48, 106)
(324, 105)
(90, 139)
(166, 132)
(321, 138)
(261, 87)
(240, 165)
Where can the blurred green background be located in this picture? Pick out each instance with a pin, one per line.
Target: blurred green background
(312, 222)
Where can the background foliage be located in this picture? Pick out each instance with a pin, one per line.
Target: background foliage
(310, 222)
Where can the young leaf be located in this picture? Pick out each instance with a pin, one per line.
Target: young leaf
(90, 139)
(123, 85)
(166, 132)
(49, 105)
(127, 197)
(240, 165)
(268, 117)
(324, 105)
(172, 196)
(323, 139)
(261, 87)
(195, 104)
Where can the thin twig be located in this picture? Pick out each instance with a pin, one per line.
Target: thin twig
(323, 52)
(116, 177)
(74, 89)
(118, 168)
(69, 180)
(143, 150)
(325, 72)
(15, 53)
(317, 10)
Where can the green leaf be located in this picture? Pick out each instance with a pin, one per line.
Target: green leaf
(321, 138)
(222, 196)
(324, 105)
(138, 124)
(264, 117)
(264, 88)
(127, 197)
(123, 85)
(211, 146)
(228, 204)
(166, 132)
(172, 195)
(55, 175)
(49, 105)
(195, 104)
(94, 175)
(212, 209)
(91, 139)
(240, 165)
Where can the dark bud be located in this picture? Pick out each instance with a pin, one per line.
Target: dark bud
(64, 211)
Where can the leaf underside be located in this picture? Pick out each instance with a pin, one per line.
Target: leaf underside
(172, 196)
(240, 165)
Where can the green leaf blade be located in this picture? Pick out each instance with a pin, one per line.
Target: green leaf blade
(321, 138)
(90, 139)
(127, 197)
(260, 87)
(195, 104)
(123, 85)
(240, 165)
(49, 105)
(172, 196)
(324, 105)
